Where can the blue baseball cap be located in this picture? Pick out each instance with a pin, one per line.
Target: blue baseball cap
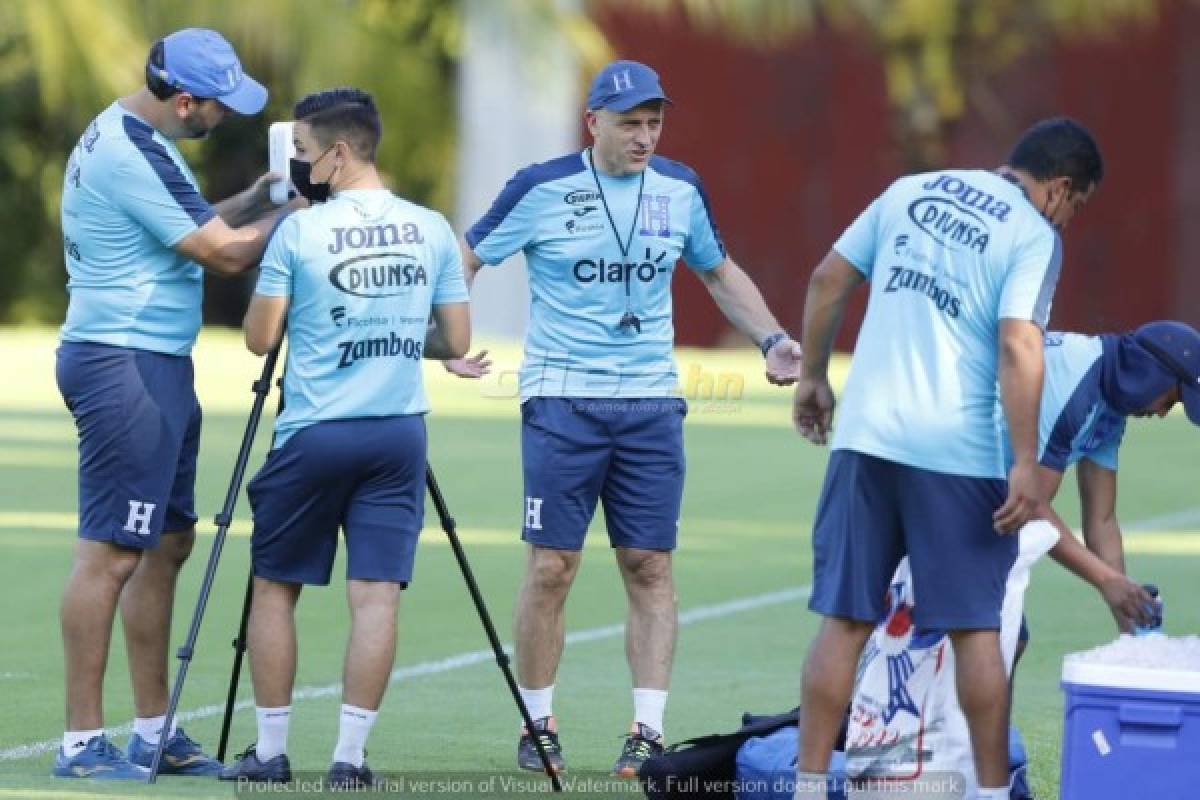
(1176, 347)
(202, 62)
(623, 85)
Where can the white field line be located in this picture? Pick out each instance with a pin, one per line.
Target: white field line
(449, 664)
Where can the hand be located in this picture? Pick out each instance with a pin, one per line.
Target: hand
(812, 408)
(783, 362)
(1129, 603)
(475, 366)
(261, 189)
(1024, 498)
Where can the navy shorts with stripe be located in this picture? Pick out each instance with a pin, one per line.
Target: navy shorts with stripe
(626, 453)
(139, 432)
(365, 476)
(873, 511)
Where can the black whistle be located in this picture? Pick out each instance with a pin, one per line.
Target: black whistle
(630, 320)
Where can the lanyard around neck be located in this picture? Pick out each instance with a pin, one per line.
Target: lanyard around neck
(637, 210)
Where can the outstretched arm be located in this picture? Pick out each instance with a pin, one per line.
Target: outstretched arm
(742, 304)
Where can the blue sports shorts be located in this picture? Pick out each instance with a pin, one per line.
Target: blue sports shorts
(139, 433)
(873, 511)
(627, 453)
(366, 476)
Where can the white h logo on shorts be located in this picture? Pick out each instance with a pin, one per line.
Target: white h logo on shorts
(533, 513)
(139, 517)
(622, 81)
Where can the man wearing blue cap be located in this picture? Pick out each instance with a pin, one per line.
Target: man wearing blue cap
(137, 233)
(1093, 384)
(602, 418)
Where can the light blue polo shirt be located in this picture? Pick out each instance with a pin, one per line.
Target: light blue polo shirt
(581, 285)
(128, 199)
(948, 255)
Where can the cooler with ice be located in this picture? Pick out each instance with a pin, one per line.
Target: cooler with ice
(1132, 720)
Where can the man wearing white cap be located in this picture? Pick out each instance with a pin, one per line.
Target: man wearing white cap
(137, 235)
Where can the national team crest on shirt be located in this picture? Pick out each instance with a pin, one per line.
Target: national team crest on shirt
(656, 215)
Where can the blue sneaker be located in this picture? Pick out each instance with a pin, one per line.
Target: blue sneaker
(181, 756)
(100, 759)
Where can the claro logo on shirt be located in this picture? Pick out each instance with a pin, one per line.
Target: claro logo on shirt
(599, 270)
(379, 275)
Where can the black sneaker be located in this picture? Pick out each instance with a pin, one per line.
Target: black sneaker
(640, 745)
(249, 768)
(527, 754)
(344, 775)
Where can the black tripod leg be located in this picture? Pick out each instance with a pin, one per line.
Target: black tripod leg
(239, 650)
(223, 520)
(502, 659)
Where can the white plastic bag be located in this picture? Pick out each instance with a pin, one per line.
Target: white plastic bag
(907, 733)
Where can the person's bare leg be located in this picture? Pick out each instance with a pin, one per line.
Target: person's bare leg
(89, 606)
(146, 606)
(538, 624)
(371, 650)
(983, 695)
(271, 641)
(827, 685)
(651, 626)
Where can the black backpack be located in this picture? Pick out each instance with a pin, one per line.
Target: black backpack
(706, 767)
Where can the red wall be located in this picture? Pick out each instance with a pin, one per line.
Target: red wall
(791, 143)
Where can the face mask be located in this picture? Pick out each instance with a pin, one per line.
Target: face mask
(300, 172)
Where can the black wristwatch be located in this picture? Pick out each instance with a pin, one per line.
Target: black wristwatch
(771, 341)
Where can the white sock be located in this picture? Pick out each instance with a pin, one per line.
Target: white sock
(811, 785)
(648, 707)
(540, 702)
(353, 728)
(150, 728)
(992, 794)
(272, 731)
(74, 741)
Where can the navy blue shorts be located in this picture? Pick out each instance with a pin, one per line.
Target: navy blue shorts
(366, 476)
(139, 432)
(628, 453)
(873, 511)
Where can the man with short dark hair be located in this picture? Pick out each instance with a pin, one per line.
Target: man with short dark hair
(358, 277)
(602, 418)
(136, 233)
(963, 265)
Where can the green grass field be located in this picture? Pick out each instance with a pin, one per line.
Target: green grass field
(751, 493)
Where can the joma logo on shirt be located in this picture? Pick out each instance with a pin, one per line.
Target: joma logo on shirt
(375, 236)
(902, 278)
(969, 196)
(382, 347)
(378, 279)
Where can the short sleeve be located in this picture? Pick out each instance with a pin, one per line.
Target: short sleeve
(704, 249)
(275, 269)
(857, 243)
(151, 188)
(1104, 451)
(1032, 277)
(511, 222)
(450, 286)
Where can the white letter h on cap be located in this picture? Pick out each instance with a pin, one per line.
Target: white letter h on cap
(139, 517)
(622, 81)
